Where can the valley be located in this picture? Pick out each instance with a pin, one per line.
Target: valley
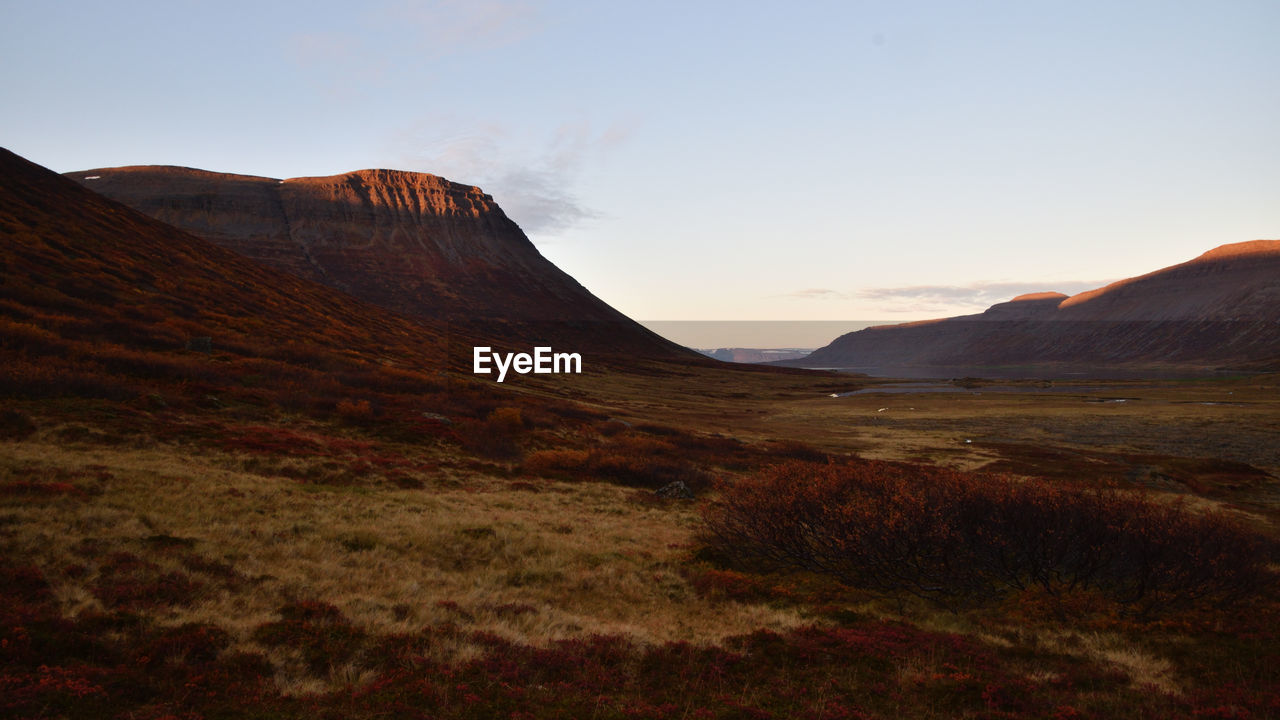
(229, 491)
(468, 553)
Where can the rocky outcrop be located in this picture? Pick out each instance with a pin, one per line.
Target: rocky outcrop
(1219, 310)
(411, 242)
(86, 269)
(1025, 307)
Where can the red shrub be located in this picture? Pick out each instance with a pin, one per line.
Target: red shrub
(731, 585)
(506, 419)
(128, 582)
(953, 537)
(189, 644)
(557, 463)
(52, 691)
(628, 460)
(319, 630)
(37, 489)
(496, 437)
(356, 412)
(267, 440)
(22, 584)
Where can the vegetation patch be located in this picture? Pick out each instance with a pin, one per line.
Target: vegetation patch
(633, 460)
(956, 538)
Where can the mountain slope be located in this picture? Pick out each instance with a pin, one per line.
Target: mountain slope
(99, 301)
(81, 266)
(1219, 310)
(411, 242)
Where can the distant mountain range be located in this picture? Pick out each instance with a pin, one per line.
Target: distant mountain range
(754, 355)
(456, 271)
(441, 252)
(1220, 310)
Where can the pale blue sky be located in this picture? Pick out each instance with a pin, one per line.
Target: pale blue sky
(708, 160)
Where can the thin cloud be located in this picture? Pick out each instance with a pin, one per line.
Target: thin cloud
(345, 62)
(446, 26)
(533, 181)
(975, 296)
(817, 294)
(539, 201)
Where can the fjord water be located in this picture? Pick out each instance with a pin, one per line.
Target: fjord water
(760, 334)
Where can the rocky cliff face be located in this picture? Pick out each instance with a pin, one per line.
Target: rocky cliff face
(411, 242)
(1219, 310)
(85, 269)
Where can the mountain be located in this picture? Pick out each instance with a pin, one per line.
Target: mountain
(439, 251)
(1219, 310)
(753, 355)
(89, 285)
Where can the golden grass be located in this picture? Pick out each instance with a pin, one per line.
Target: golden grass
(1143, 669)
(534, 566)
(537, 561)
(1212, 418)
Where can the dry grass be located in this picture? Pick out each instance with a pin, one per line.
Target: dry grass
(536, 561)
(1231, 419)
(533, 563)
(1143, 669)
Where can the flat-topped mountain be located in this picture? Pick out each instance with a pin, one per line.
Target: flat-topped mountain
(89, 285)
(1240, 281)
(411, 242)
(1219, 310)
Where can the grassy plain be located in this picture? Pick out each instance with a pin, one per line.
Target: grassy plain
(1071, 426)
(350, 568)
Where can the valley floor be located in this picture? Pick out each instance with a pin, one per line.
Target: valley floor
(198, 564)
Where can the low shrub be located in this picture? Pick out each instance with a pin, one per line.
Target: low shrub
(356, 412)
(796, 450)
(507, 420)
(497, 437)
(637, 462)
(190, 644)
(318, 630)
(957, 538)
(120, 665)
(732, 585)
(36, 490)
(128, 582)
(15, 425)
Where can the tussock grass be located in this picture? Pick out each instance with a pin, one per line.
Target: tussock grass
(558, 561)
(434, 557)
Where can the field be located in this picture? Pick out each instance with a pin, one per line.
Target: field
(505, 555)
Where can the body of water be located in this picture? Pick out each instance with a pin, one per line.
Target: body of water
(759, 334)
(1038, 372)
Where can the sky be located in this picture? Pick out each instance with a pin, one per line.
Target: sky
(891, 160)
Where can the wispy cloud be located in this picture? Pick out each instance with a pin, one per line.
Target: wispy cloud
(445, 26)
(817, 294)
(938, 300)
(533, 179)
(541, 202)
(965, 298)
(346, 62)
